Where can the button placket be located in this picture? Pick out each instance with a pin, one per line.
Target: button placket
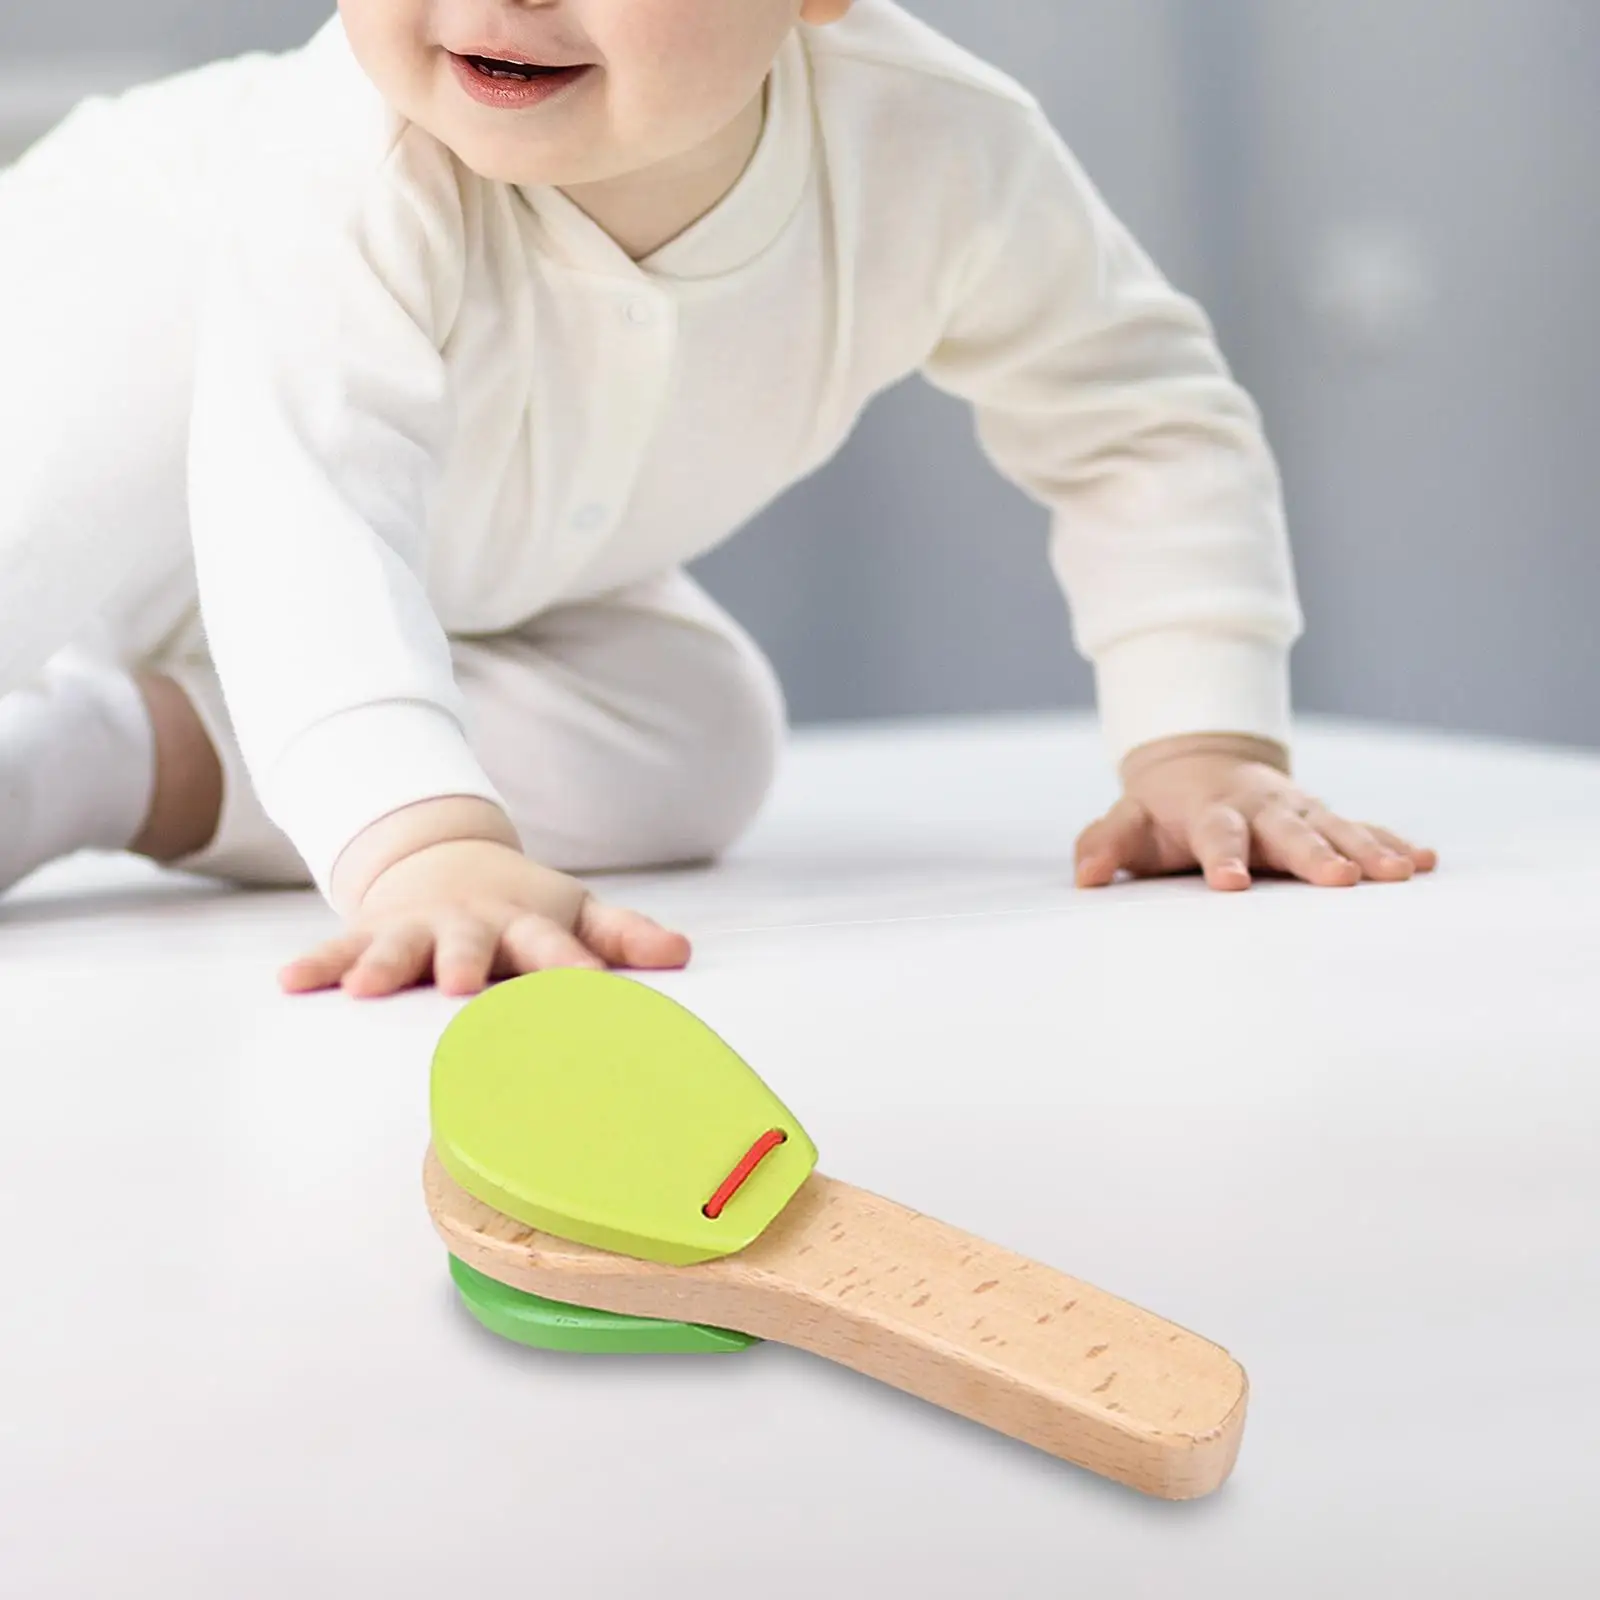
(635, 352)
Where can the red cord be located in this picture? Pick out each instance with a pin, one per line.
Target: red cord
(753, 1157)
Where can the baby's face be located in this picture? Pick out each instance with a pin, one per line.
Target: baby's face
(568, 92)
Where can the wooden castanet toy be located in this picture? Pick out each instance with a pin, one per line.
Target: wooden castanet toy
(608, 1175)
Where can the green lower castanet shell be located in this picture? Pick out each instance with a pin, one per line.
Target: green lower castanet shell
(530, 1319)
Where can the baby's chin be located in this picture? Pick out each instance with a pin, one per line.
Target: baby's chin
(527, 161)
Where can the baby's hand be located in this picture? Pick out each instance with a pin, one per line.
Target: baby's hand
(1225, 805)
(469, 910)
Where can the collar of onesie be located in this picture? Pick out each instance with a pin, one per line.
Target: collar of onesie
(739, 229)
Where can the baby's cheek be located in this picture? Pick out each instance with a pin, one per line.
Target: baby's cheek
(377, 31)
(663, 29)
(389, 40)
(716, 48)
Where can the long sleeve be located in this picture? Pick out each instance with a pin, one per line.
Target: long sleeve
(322, 409)
(1100, 391)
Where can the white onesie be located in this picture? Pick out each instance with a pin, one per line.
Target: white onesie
(425, 405)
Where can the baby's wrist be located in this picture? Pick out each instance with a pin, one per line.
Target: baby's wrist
(392, 838)
(1230, 746)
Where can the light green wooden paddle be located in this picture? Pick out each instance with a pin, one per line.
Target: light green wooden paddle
(594, 1108)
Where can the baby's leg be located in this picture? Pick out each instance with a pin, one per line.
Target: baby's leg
(641, 729)
(98, 269)
(637, 730)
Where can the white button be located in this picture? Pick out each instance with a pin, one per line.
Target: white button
(587, 518)
(640, 312)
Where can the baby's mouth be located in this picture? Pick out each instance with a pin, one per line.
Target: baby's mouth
(511, 71)
(515, 85)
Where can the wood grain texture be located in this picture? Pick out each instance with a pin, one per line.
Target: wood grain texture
(886, 1291)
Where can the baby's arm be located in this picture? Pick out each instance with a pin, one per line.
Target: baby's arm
(322, 412)
(1101, 392)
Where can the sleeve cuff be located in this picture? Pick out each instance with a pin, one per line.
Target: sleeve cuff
(1164, 684)
(347, 771)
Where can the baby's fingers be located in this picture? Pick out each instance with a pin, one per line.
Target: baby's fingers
(629, 939)
(536, 944)
(1423, 859)
(1120, 840)
(1221, 844)
(464, 958)
(1379, 861)
(397, 958)
(323, 967)
(1291, 844)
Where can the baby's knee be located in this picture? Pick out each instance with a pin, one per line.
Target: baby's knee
(724, 752)
(618, 768)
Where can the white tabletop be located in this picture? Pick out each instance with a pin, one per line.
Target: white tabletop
(1352, 1136)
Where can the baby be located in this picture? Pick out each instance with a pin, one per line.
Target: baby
(363, 406)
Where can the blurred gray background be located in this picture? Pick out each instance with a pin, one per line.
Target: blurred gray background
(1392, 210)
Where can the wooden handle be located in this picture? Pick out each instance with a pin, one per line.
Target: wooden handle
(978, 1330)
